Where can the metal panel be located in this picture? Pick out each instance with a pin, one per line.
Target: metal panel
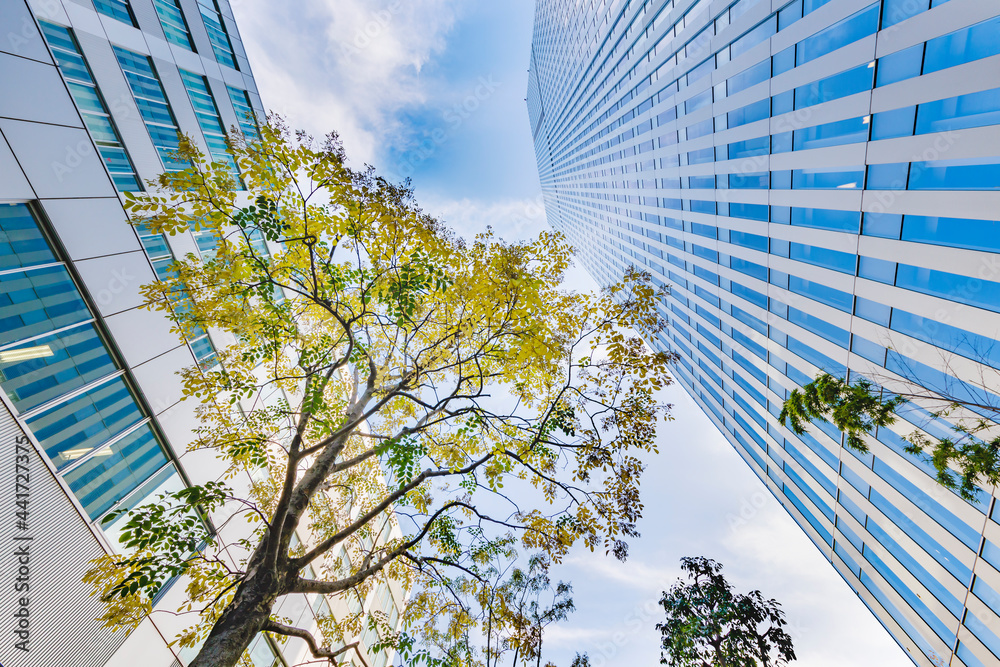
(61, 625)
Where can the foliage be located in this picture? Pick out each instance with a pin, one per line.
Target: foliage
(520, 610)
(861, 407)
(710, 626)
(413, 407)
(854, 408)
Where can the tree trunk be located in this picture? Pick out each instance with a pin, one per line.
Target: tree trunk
(240, 621)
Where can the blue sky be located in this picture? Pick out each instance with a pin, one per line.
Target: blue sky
(434, 90)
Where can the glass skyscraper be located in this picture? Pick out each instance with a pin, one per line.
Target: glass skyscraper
(93, 94)
(818, 183)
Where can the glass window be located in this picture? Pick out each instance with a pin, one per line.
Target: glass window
(751, 321)
(891, 176)
(892, 124)
(781, 142)
(748, 240)
(748, 77)
(819, 218)
(174, 25)
(814, 472)
(877, 269)
(971, 291)
(750, 344)
(891, 609)
(244, 112)
(828, 179)
(842, 33)
(819, 326)
(698, 101)
(44, 368)
(894, 11)
(783, 61)
(749, 114)
(871, 351)
(38, 301)
(89, 101)
(848, 82)
(749, 268)
(813, 521)
(931, 507)
(115, 471)
(977, 174)
(853, 130)
(962, 46)
(825, 257)
(75, 428)
(748, 211)
(22, 243)
(153, 106)
(116, 9)
(900, 66)
(816, 358)
(754, 37)
(217, 32)
(953, 232)
(701, 129)
(942, 383)
(755, 181)
(912, 599)
(872, 311)
(983, 633)
(956, 113)
(949, 561)
(822, 293)
(978, 348)
(209, 120)
(749, 148)
(750, 295)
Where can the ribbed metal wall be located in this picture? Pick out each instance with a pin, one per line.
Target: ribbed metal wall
(62, 626)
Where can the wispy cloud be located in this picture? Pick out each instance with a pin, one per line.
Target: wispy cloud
(634, 574)
(349, 65)
(511, 219)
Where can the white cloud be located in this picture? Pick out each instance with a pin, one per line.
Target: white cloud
(511, 219)
(634, 573)
(345, 65)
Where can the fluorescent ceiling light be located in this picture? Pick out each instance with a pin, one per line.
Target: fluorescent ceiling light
(73, 454)
(26, 353)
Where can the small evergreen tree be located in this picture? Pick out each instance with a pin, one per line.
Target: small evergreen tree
(708, 625)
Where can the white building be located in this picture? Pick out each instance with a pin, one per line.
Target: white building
(818, 182)
(92, 95)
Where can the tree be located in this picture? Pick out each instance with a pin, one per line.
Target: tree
(527, 603)
(709, 626)
(858, 407)
(418, 377)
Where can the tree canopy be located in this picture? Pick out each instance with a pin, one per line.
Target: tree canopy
(410, 405)
(708, 625)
